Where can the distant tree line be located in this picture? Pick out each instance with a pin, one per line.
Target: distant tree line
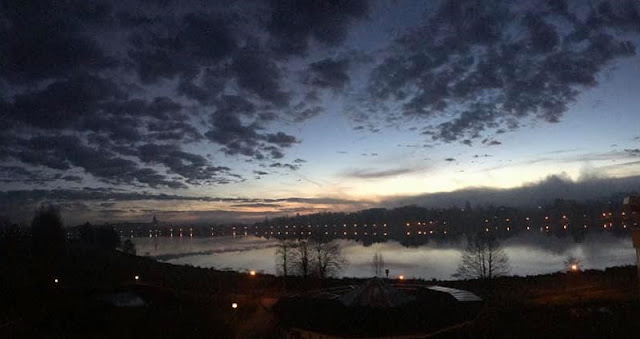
(502, 221)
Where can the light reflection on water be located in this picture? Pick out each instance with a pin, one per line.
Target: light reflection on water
(528, 254)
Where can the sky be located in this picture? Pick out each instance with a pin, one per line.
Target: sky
(218, 111)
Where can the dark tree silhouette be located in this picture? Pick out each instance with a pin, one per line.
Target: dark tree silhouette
(103, 237)
(284, 257)
(47, 232)
(378, 264)
(483, 258)
(327, 259)
(107, 238)
(129, 247)
(301, 261)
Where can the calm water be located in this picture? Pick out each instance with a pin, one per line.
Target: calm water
(528, 254)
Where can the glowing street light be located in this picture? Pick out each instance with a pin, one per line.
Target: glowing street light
(252, 273)
(574, 267)
(56, 280)
(401, 277)
(137, 277)
(234, 305)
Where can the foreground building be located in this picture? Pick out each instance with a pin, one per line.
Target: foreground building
(376, 309)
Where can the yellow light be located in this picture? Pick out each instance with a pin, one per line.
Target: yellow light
(401, 277)
(234, 305)
(136, 277)
(574, 267)
(252, 272)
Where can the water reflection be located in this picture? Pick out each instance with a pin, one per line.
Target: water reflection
(528, 254)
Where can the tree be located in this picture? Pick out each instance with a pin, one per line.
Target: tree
(107, 238)
(103, 237)
(301, 259)
(378, 264)
(483, 258)
(327, 259)
(129, 247)
(284, 257)
(47, 232)
(572, 264)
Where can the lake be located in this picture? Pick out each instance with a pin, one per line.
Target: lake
(529, 254)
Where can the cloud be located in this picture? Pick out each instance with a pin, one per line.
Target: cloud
(373, 174)
(450, 159)
(63, 102)
(293, 24)
(528, 195)
(633, 152)
(45, 41)
(329, 73)
(489, 67)
(284, 165)
(195, 168)
(67, 152)
(259, 75)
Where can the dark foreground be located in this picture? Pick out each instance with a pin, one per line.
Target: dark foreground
(97, 296)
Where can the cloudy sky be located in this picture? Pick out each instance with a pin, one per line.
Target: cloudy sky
(206, 111)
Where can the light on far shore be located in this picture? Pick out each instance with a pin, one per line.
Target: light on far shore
(137, 277)
(252, 273)
(234, 305)
(401, 277)
(574, 267)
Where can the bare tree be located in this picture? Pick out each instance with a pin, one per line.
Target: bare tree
(378, 264)
(483, 258)
(301, 262)
(327, 259)
(572, 264)
(284, 257)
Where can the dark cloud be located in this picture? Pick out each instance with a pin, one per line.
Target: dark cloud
(67, 152)
(281, 139)
(44, 40)
(258, 74)
(284, 165)
(292, 24)
(238, 137)
(63, 102)
(195, 168)
(299, 161)
(329, 73)
(450, 159)
(634, 152)
(180, 49)
(465, 65)
(373, 174)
